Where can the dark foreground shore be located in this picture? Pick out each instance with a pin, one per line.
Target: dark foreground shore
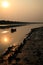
(30, 52)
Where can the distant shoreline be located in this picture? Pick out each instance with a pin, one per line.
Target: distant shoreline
(18, 22)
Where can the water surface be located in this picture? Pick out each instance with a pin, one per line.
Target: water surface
(16, 37)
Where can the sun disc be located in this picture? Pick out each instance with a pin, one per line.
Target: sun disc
(5, 4)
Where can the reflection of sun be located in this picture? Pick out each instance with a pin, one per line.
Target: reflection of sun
(5, 4)
(6, 39)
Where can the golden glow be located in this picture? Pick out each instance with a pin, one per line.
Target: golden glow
(5, 4)
(6, 39)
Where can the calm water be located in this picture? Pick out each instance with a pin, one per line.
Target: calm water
(16, 37)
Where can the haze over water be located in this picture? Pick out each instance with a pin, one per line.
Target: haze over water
(21, 10)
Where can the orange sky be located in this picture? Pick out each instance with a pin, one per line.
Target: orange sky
(22, 10)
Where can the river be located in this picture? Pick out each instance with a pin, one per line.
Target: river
(16, 37)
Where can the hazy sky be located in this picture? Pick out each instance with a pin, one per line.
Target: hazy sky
(22, 10)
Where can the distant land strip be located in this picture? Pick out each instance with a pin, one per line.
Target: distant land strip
(10, 24)
(17, 22)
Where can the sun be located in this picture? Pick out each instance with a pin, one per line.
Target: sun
(5, 4)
